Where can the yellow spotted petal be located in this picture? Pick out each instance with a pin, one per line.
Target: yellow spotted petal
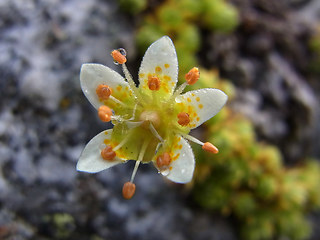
(201, 104)
(182, 165)
(91, 160)
(92, 75)
(160, 60)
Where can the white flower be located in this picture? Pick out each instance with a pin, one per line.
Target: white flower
(152, 121)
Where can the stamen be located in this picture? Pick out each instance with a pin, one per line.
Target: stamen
(193, 139)
(103, 92)
(129, 78)
(133, 124)
(155, 132)
(108, 154)
(209, 147)
(134, 112)
(123, 141)
(180, 89)
(183, 119)
(141, 155)
(104, 113)
(163, 161)
(153, 83)
(158, 147)
(192, 76)
(117, 101)
(118, 57)
(128, 190)
(135, 170)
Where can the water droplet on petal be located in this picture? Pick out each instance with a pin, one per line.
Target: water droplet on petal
(122, 51)
(165, 172)
(115, 62)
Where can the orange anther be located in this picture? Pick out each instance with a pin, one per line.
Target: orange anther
(108, 154)
(103, 91)
(192, 76)
(104, 113)
(209, 147)
(118, 57)
(128, 190)
(163, 161)
(153, 83)
(183, 119)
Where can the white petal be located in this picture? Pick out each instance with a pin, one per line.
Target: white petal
(205, 103)
(92, 75)
(160, 55)
(183, 166)
(91, 160)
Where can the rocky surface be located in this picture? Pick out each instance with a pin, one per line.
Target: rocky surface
(45, 121)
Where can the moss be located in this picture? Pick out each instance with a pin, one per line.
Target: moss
(148, 34)
(247, 178)
(133, 6)
(220, 16)
(62, 225)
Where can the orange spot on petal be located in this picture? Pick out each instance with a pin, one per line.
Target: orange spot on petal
(167, 78)
(176, 156)
(200, 106)
(158, 69)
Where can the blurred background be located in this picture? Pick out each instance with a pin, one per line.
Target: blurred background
(264, 183)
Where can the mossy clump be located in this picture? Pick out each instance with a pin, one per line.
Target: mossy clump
(183, 21)
(133, 6)
(247, 179)
(220, 16)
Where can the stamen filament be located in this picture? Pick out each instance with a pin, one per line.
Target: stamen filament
(135, 170)
(207, 146)
(116, 100)
(158, 147)
(155, 132)
(179, 90)
(193, 139)
(141, 155)
(129, 78)
(133, 124)
(134, 112)
(122, 142)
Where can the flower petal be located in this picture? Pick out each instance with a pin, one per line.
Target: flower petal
(201, 104)
(92, 75)
(182, 165)
(160, 60)
(91, 160)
